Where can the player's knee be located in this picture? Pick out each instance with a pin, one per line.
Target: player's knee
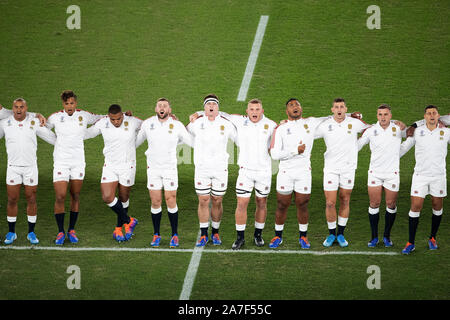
(261, 203)
(375, 204)
(389, 204)
(107, 198)
(75, 196)
(330, 204)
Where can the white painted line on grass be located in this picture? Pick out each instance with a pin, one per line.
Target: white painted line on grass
(201, 250)
(252, 58)
(189, 278)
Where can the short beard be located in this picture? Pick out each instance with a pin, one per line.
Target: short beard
(165, 115)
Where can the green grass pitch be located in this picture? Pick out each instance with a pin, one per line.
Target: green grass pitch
(133, 52)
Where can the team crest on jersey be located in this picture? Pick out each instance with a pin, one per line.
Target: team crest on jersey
(80, 118)
(394, 130)
(126, 125)
(349, 128)
(171, 126)
(266, 126)
(222, 128)
(33, 122)
(442, 135)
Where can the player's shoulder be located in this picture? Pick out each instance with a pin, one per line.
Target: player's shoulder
(56, 113)
(283, 125)
(269, 121)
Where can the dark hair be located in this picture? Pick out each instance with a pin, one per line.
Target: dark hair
(211, 96)
(163, 99)
(339, 100)
(431, 107)
(292, 99)
(67, 94)
(114, 109)
(385, 106)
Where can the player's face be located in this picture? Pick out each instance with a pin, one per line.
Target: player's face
(294, 110)
(255, 112)
(116, 119)
(339, 109)
(211, 109)
(431, 116)
(163, 109)
(384, 117)
(70, 105)
(20, 110)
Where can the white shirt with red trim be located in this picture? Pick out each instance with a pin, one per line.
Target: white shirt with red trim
(20, 139)
(119, 142)
(211, 141)
(384, 146)
(162, 138)
(341, 141)
(70, 130)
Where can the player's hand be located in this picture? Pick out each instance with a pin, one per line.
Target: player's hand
(283, 121)
(400, 124)
(356, 115)
(410, 131)
(173, 116)
(129, 113)
(193, 117)
(441, 124)
(301, 148)
(42, 119)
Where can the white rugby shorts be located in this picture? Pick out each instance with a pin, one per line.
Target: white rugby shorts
(124, 175)
(211, 181)
(249, 179)
(390, 181)
(22, 175)
(157, 179)
(332, 180)
(298, 180)
(421, 186)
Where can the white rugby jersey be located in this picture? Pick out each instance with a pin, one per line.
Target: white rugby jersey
(20, 139)
(341, 141)
(286, 139)
(162, 138)
(431, 150)
(210, 142)
(384, 147)
(70, 130)
(4, 113)
(119, 143)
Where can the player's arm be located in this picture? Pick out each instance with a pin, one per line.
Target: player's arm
(46, 134)
(233, 134)
(5, 113)
(92, 132)
(2, 132)
(406, 145)
(141, 136)
(363, 140)
(185, 137)
(277, 151)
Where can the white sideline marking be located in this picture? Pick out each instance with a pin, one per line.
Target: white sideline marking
(191, 272)
(252, 58)
(201, 250)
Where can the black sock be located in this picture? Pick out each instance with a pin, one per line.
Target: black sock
(413, 223)
(12, 227)
(279, 233)
(302, 233)
(435, 222)
(214, 230)
(240, 234)
(373, 219)
(204, 231)
(31, 226)
(340, 229)
(122, 216)
(332, 231)
(73, 220)
(173, 218)
(60, 221)
(156, 219)
(257, 233)
(389, 219)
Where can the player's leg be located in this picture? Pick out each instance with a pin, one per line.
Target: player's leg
(301, 202)
(156, 214)
(330, 188)
(13, 192)
(108, 190)
(419, 190)
(437, 206)
(170, 182)
(60, 187)
(202, 183)
(283, 202)
(244, 188)
(129, 223)
(30, 195)
(216, 217)
(75, 190)
(375, 194)
(391, 213)
(260, 218)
